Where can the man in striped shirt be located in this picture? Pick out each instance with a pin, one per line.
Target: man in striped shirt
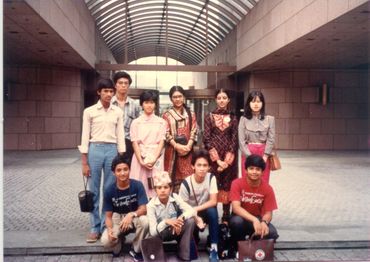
(129, 106)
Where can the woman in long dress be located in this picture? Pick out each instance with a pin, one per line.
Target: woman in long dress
(221, 141)
(147, 133)
(256, 131)
(180, 137)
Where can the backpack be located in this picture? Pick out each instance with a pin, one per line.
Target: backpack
(223, 245)
(186, 184)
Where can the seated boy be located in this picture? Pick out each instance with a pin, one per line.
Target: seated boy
(253, 201)
(200, 191)
(125, 205)
(170, 217)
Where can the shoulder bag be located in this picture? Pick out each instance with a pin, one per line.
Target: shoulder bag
(274, 161)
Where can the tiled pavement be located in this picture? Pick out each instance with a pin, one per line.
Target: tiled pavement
(291, 255)
(322, 196)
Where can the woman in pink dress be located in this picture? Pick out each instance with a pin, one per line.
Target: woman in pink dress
(148, 133)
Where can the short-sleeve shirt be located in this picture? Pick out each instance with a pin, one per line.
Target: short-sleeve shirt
(125, 201)
(255, 200)
(202, 190)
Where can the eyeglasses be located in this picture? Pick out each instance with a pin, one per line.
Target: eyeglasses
(177, 97)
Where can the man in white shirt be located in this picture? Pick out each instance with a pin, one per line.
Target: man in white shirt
(131, 109)
(102, 137)
(170, 217)
(200, 191)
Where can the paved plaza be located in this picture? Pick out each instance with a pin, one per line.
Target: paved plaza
(323, 198)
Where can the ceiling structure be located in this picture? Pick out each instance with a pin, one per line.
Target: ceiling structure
(183, 30)
(28, 39)
(343, 43)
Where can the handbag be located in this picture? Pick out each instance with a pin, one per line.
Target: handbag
(256, 250)
(152, 249)
(181, 139)
(85, 197)
(274, 161)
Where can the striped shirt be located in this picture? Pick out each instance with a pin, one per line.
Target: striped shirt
(131, 110)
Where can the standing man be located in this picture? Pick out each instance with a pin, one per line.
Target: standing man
(130, 108)
(102, 136)
(253, 201)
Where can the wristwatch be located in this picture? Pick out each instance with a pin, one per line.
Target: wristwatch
(267, 223)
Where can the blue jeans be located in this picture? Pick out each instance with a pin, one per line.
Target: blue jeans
(210, 217)
(100, 158)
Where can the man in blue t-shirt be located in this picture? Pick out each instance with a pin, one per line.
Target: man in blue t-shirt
(125, 205)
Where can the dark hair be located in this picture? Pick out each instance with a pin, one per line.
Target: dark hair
(201, 153)
(255, 160)
(176, 88)
(104, 83)
(222, 90)
(148, 95)
(122, 74)
(187, 109)
(247, 108)
(121, 159)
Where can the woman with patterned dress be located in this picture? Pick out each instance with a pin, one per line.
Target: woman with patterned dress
(256, 131)
(221, 140)
(180, 137)
(147, 134)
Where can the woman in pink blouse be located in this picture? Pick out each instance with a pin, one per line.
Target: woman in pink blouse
(256, 131)
(147, 133)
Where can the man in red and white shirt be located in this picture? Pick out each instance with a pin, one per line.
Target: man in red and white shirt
(253, 201)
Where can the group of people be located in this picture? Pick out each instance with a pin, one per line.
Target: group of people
(156, 184)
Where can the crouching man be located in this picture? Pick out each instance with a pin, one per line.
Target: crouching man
(200, 191)
(125, 205)
(170, 217)
(253, 201)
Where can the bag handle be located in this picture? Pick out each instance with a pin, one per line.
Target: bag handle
(252, 236)
(192, 188)
(85, 179)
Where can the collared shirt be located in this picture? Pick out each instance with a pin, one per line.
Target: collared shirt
(256, 130)
(131, 110)
(104, 126)
(158, 212)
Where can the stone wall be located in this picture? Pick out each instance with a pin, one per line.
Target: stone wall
(302, 122)
(42, 108)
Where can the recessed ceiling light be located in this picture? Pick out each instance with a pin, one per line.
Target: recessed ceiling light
(64, 51)
(310, 39)
(365, 12)
(43, 33)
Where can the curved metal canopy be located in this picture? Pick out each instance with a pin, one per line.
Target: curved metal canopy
(185, 30)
